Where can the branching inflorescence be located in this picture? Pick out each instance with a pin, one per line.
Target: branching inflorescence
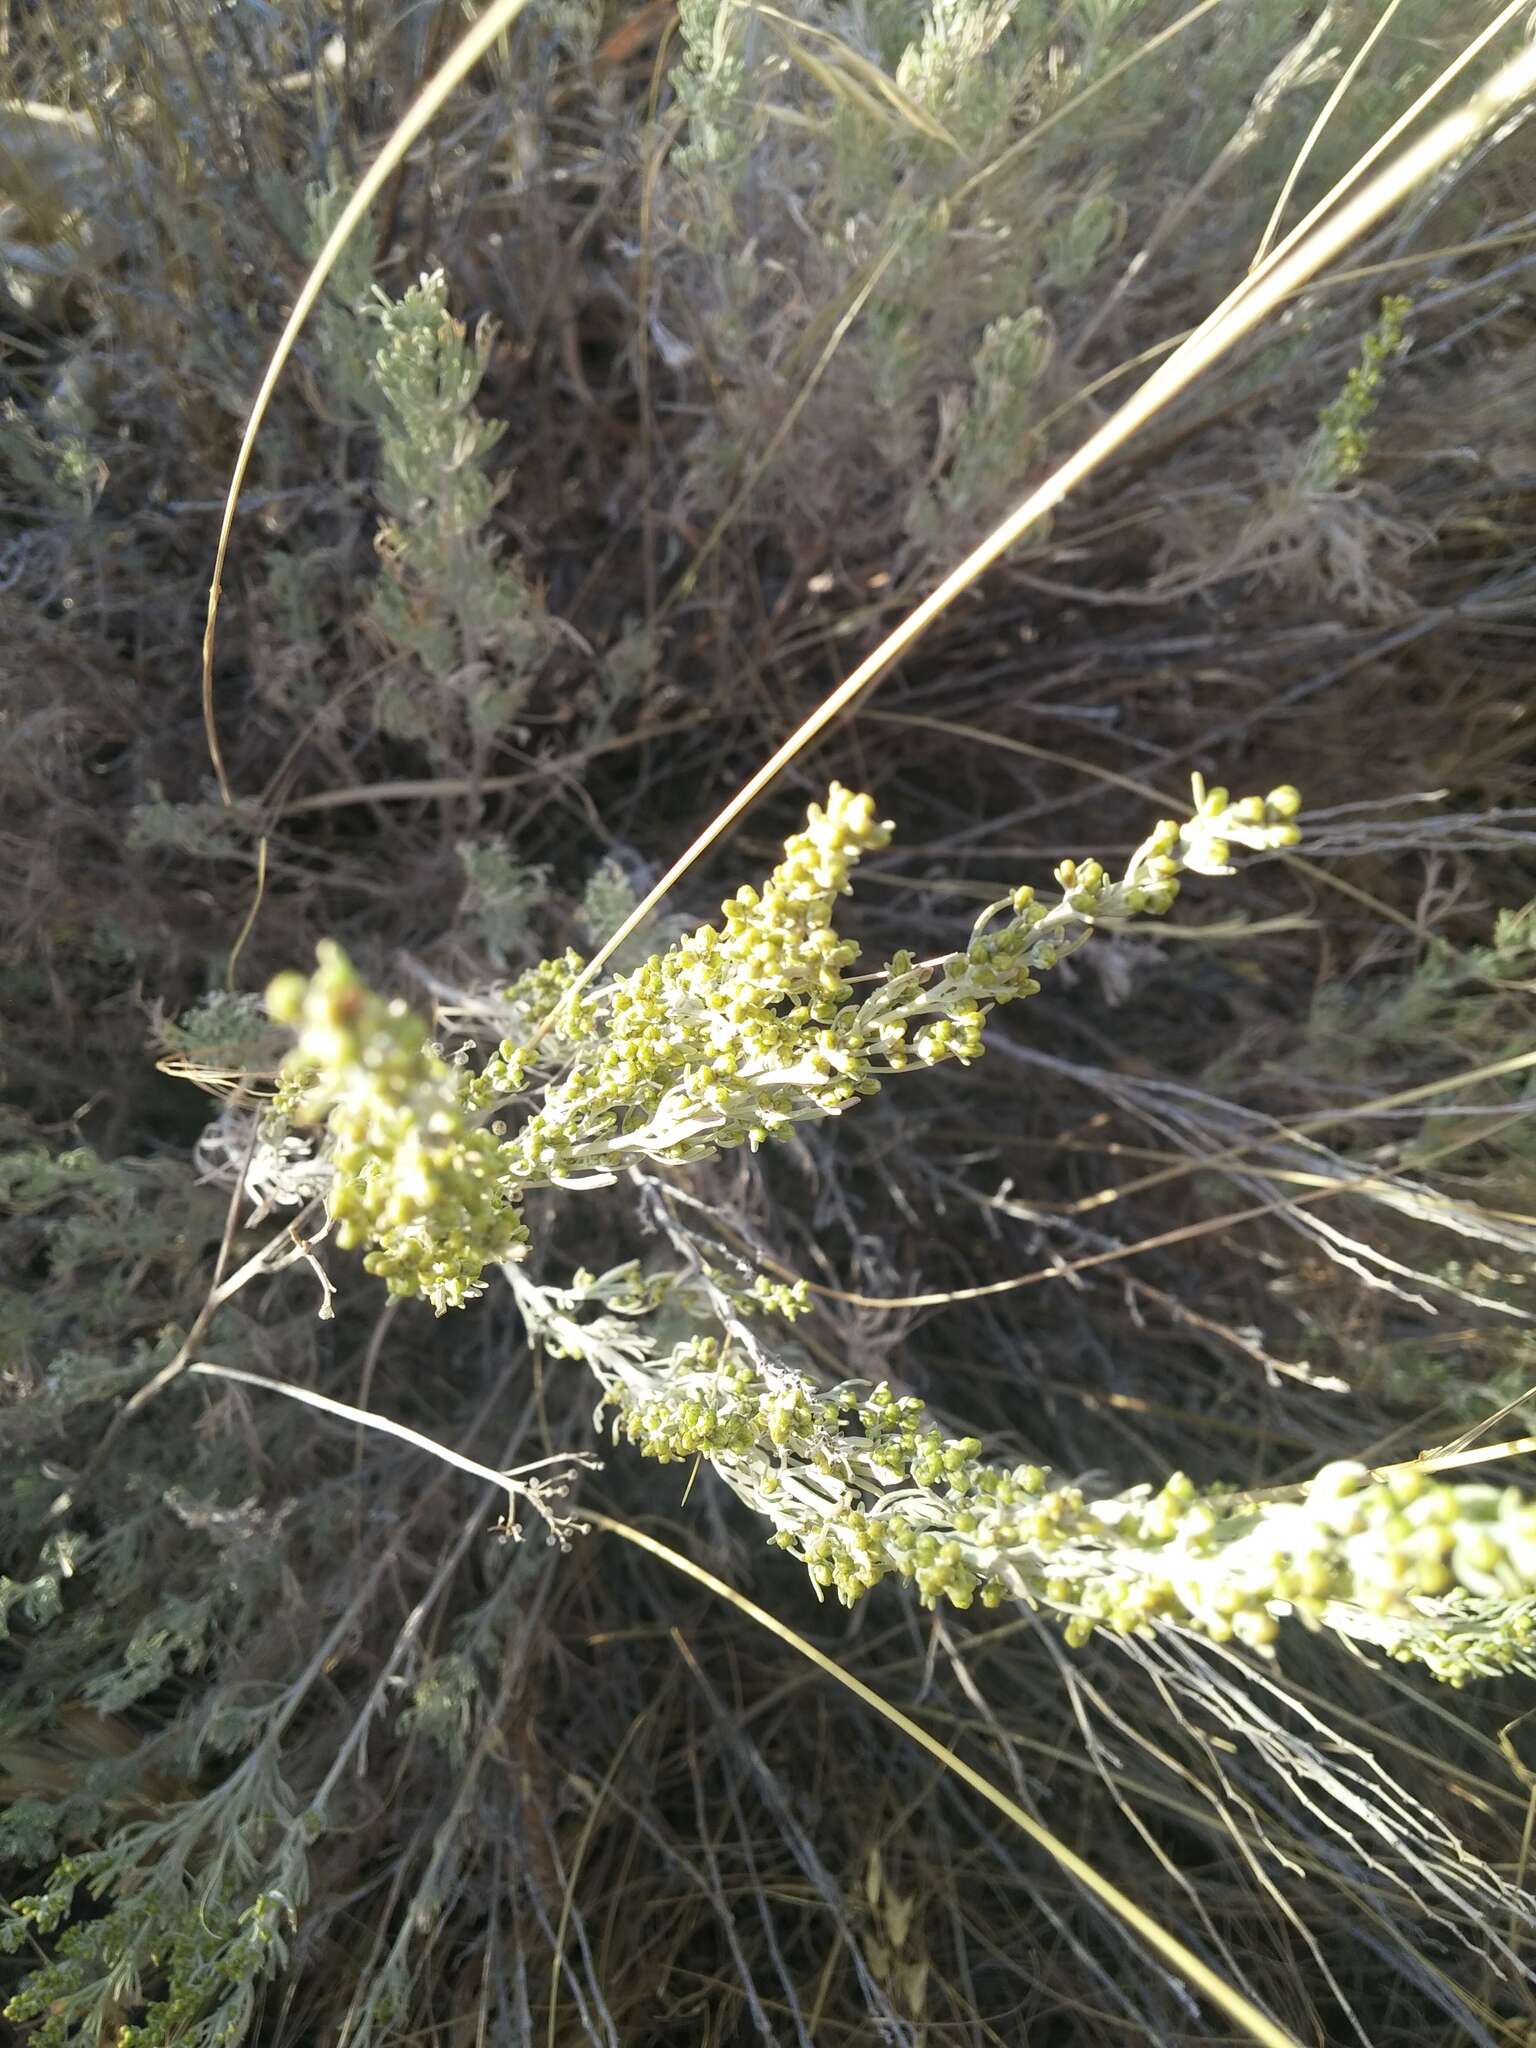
(728, 1037)
(731, 1036)
(861, 1485)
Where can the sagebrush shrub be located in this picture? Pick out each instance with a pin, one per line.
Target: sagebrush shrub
(841, 279)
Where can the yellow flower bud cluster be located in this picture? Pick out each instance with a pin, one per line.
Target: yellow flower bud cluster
(930, 1013)
(1430, 1572)
(707, 1401)
(763, 1296)
(413, 1176)
(728, 1035)
(857, 1482)
(1263, 824)
(861, 1486)
(734, 1034)
(539, 995)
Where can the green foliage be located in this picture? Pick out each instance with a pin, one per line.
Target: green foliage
(503, 894)
(39, 1599)
(1343, 428)
(449, 600)
(442, 1705)
(709, 88)
(991, 442)
(344, 335)
(53, 458)
(96, 1253)
(201, 1904)
(225, 1031)
(1455, 997)
(1074, 247)
(947, 168)
(967, 64)
(203, 830)
(109, 1602)
(1447, 1378)
(606, 901)
(174, 1638)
